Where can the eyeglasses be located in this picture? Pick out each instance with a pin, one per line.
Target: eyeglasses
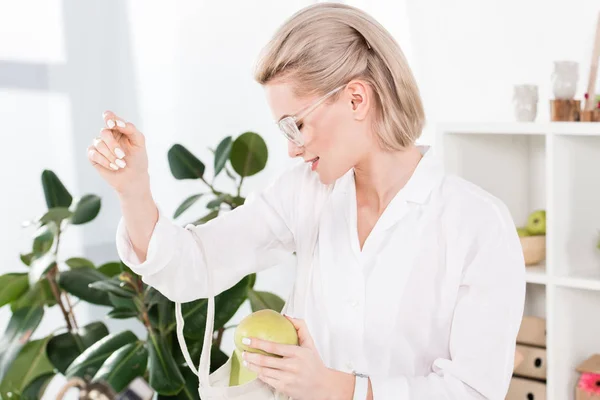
(289, 123)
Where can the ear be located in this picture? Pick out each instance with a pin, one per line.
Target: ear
(359, 95)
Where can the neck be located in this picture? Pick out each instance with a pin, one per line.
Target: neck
(382, 174)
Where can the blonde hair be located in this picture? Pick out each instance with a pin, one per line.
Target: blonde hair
(326, 45)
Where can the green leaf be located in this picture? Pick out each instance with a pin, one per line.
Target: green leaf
(55, 215)
(222, 154)
(229, 174)
(249, 154)
(226, 305)
(110, 269)
(153, 297)
(217, 358)
(77, 281)
(37, 296)
(122, 313)
(78, 262)
(65, 348)
(90, 361)
(21, 326)
(55, 192)
(26, 258)
(123, 366)
(189, 390)
(30, 364)
(40, 267)
(251, 280)
(211, 215)
(216, 203)
(228, 302)
(265, 300)
(183, 164)
(122, 302)
(165, 376)
(36, 388)
(187, 203)
(12, 286)
(87, 209)
(42, 242)
(238, 201)
(113, 286)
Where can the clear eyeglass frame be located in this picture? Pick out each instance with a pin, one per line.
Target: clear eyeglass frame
(289, 124)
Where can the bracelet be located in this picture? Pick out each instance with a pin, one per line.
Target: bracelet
(361, 386)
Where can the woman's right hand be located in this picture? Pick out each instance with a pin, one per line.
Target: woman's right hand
(119, 155)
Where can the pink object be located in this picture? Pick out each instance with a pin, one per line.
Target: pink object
(590, 383)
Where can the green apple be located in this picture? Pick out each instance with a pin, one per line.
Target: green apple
(263, 324)
(239, 374)
(266, 325)
(522, 232)
(536, 223)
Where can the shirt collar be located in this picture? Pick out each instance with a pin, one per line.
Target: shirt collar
(424, 179)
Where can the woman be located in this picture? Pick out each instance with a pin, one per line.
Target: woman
(415, 284)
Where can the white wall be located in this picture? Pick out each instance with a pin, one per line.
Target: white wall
(183, 74)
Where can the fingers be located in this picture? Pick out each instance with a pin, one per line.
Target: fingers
(284, 350)
(265, 361)
(116, 123)
(109, 148)
(97, 159)
(304, 336)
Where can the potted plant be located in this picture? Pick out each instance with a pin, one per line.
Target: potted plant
(92, 353)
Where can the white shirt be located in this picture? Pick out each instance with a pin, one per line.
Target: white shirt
(429, 309)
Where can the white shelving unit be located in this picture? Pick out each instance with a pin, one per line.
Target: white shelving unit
(553, 166)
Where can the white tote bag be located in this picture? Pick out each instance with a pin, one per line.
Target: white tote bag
(215, 386)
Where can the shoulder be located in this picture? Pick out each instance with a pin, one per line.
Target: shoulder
(473, 208)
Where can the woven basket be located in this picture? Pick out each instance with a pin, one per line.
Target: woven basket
(534, 249)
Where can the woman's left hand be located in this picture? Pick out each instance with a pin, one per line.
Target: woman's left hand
(299, 374)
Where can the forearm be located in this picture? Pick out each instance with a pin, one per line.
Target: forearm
(140, 216)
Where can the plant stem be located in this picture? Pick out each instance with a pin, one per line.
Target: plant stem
(219, 337)
(71, 313)
(239, 188)
(56, 293)
(212, 188)
(68, 315)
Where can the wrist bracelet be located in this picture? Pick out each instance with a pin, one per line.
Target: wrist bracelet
(361, 386)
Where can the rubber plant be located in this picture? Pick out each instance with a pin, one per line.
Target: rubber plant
(49, 278)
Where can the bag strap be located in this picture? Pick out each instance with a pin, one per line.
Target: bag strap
(203, 370)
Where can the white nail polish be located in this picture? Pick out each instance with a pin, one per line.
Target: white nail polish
(246, 341)
(120, 163)
(119, 153)
(113, 166)
(245, 363)
(120, 123)
(104, 114)
(110, 123)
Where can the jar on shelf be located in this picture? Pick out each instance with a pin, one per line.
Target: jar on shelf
(564, 79)
(525, 99)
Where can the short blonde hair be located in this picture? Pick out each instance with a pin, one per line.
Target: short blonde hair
(326, 45)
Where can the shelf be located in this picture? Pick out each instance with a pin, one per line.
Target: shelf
(553, 166)
(536, 274)
(523, 128)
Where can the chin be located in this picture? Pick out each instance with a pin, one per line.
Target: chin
(328, 177)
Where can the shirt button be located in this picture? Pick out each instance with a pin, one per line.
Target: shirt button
(350, 366)
(354, 303)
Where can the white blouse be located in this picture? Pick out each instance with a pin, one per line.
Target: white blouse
(429, 309)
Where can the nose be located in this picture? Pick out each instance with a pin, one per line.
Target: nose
(294, 150)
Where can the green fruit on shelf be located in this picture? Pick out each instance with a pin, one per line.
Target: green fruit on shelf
(536, 223)
(523, 232)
